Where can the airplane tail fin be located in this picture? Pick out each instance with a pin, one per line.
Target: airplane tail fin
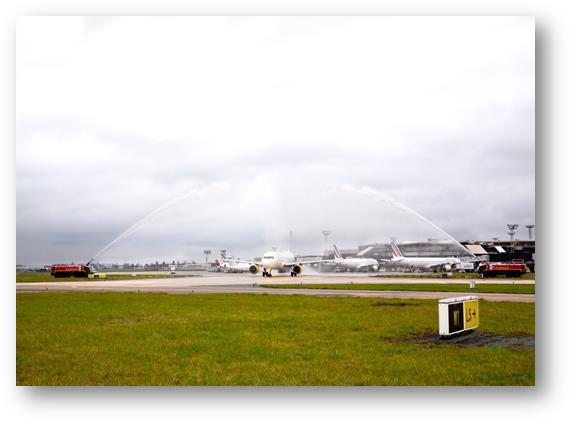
(218, 262)
(336, 253)
(395, 250)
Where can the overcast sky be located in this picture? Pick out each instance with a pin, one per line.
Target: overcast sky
(255, 127)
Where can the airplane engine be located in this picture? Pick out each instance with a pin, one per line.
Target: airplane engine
(447, 267)
(254, 269)
(297, 269)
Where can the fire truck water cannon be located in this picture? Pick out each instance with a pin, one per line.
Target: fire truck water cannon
(72, 270)
(508, 269)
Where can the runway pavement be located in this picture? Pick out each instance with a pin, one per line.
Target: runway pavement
(211, 283)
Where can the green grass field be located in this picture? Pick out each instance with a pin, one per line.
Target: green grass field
(160, 339)
(463, 288)
(42, 277)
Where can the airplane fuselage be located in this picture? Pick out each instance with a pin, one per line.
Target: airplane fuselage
(425, 262)
(357, 263)
(275, 260)
(236, 267)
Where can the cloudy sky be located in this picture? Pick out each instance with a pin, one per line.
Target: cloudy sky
(249, 128)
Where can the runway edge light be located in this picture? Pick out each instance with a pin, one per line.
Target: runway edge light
(458, 314)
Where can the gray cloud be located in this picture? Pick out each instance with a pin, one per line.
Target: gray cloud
(115, 117)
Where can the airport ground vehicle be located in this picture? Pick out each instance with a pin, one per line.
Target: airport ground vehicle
(67, 270)
(509, 269)
(467, 267)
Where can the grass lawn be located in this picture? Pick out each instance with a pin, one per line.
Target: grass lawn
(463, 288)
(42, 277)
(159, 339)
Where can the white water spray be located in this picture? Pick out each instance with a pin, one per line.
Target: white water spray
(383, 197)
(137, 225)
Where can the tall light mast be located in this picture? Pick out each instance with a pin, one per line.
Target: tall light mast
(530, 228)
(511, 231)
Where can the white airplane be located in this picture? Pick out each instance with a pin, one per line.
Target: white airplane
(228, 264)
(357, 264)
(278, 260)
(429, 263)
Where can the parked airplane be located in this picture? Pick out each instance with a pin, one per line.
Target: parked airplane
(354, 264)
(278, 260)
(228, 264)
(429, 263)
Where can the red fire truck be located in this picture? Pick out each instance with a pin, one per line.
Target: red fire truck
(69, 270)
(509, 269)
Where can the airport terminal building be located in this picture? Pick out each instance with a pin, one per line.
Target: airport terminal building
(484, 250)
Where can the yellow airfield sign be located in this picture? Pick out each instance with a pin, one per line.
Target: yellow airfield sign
(471, 314)
(458, 314)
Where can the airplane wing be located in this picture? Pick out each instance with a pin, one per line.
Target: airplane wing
(317, 261)
(435, 266)
(241, 261)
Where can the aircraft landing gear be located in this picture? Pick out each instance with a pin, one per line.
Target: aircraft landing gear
(292, 274)
(266, 274)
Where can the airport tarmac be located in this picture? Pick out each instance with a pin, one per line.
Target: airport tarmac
(313, 277)
(247, 283)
